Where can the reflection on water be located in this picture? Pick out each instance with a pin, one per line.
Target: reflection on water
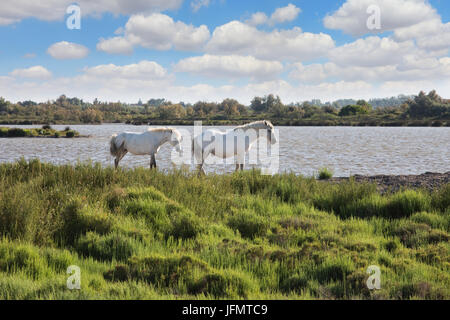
(303, 150)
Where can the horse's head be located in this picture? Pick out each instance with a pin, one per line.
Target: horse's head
(175, 140)
(270, 132)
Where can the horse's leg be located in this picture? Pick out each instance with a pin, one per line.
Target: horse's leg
(237, 167)
(153, 161)
(119, 157)
(242, 167)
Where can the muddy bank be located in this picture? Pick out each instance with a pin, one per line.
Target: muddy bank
(391, 183)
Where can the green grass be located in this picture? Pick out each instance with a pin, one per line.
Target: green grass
(141, 234)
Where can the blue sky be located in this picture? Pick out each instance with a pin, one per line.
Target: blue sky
(212, 49)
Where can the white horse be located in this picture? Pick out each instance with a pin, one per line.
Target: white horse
(146, 143)
(205, 144)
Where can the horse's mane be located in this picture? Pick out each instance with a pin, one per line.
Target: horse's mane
(260, 123)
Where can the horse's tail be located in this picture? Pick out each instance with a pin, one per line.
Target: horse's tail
(116, 144)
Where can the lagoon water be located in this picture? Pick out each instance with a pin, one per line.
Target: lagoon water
(302, 150)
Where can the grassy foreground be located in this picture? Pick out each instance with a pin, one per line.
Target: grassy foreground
(140, 234)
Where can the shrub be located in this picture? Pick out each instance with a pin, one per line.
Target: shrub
(78, 218)
(222, 285)
(333, 270)
(325, 174)
(413, 234)
(16, 132)
(107, 247)
(70, 134)
(47, 127)
(23, 258)
(185, 225)
(157, 270)
(337, 198)
(294, 284)
(432, 219)
(116, 197)
(404, 204)
(248, 224)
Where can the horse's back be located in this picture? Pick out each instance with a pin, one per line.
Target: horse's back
(139, 143)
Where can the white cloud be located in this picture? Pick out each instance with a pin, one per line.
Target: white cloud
(115, 45)
(434, 37)
(285, 14)
(232, 66)
(370, 52)
(352, 16)
(12, 11)
(280, 15)
(197, 4)
(238, 38)
(67, 50)
(147, 70)
(36, 72)
(156, 31)
(257, 19)
(409, 68)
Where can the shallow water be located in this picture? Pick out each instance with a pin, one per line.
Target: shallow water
(303, 150)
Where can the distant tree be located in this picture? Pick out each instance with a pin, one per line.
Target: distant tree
(427, 105)
(352, 110)
(364, 104)
(203, 108)
(174, 111)
(258, 104)
(156, 102)
(3, 105)
(230, 107)
(329, 109)
(28, 103)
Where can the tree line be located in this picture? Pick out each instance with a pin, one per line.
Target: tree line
(75, 110)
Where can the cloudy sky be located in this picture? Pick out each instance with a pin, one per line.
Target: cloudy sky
(190, 50)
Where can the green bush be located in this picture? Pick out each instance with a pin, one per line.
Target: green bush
(79, 218)
(107, 247)
(16, 132)
(227, 284)
(185, 225)
(248, 224)
(157, 270)
(325, 174)
(333, 270)
(22, 258)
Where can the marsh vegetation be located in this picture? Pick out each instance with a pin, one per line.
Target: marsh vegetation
(143, 234)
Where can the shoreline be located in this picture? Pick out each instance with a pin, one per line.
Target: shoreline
(430, 181)
(441, 123)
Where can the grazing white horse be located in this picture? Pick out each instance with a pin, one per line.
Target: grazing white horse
(205, 144)
(146, 143)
